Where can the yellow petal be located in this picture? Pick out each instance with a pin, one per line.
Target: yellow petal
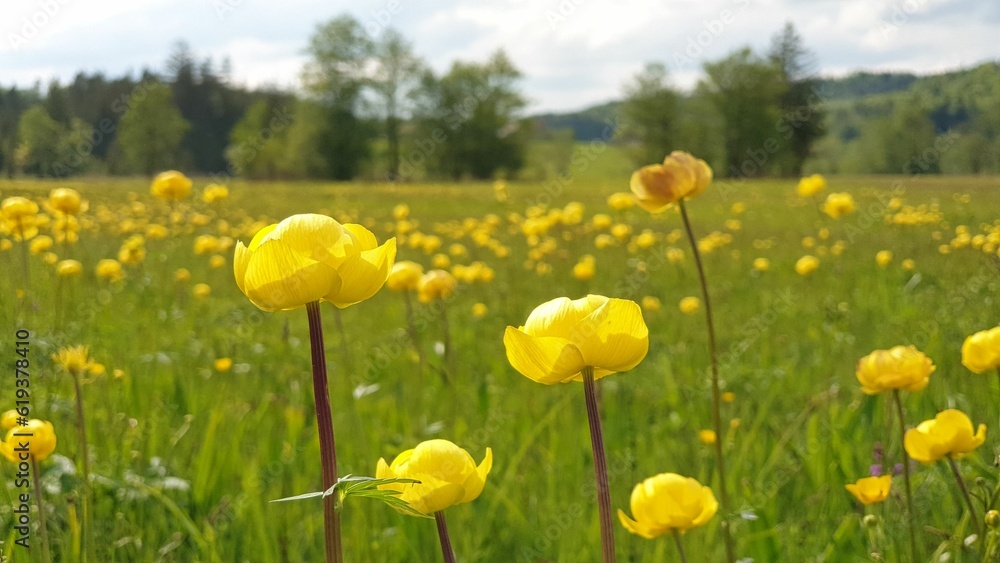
(475, 483)
(633, 526)
(559, 317)
(547, 360)
(314, 236)
(363, 274)
(277, 278)
(240, 261)
(614, 337)
(363, 238)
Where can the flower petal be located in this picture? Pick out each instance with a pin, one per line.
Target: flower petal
(475, 483)
(278, 278)
(560, 316)
(363, 274)
(547, 360)
(633, 526)
(614, 337)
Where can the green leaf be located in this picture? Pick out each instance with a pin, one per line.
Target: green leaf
(364, 487)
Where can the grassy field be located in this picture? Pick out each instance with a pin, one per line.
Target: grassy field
(186, 457)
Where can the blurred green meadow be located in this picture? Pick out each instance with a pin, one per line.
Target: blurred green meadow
(187, 458)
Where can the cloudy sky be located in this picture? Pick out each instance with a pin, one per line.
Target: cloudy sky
(573, 53)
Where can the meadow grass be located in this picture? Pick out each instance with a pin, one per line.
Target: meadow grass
(187, 458)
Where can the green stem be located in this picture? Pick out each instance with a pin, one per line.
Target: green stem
(716, 392)
(600, 468)
(906, 475)
(442, 526)
(85, 465)
(680, 546)
(41, 511)
(965, 495)
(327, 446)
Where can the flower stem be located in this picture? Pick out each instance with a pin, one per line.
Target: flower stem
(716, 392)
(442, 526)
(41, 511)
(965, 494)
(680, 546)
(906, 474)
(85, 465)
(600, 468)
(327, 447)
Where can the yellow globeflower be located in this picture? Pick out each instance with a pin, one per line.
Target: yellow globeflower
(681, 176)
(202, 290)
(479, 310)
(908, 264)
(950, 433)
(870, 490)
(69, 268)
(601, 221)
(651, 304)
(981, 351)
(217, 261)
(838, 204)
(214, 193)
(447, 475)
(584, 269)
(74, 359)
(761, 264)
(171, 186)
(404, 276)
(900, 367)
(223, 364)
(8, 419)
(309, 257)
(40, 443)
(561, 337)
(17, 207)
(689, 305)
(806, 265)
(66, 201)
(436, 284)
(206, 244)
(811, 185)
(620, 201)
(668, 503)
(883, 258)
(182, 275)
(40, 244)
(706, 436)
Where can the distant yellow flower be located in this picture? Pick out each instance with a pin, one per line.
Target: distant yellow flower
(50, 258)
(908, 264)
(675, 255)
(561, 337)
(838, 204)
(182, 275)
(981, 351)
(447, 475)
(40, 444)
(651, 304)
(441, 261)
(66, 201)
(621, 231)
(601, 221)
(761, 264)
(870, 490)
(681, 176)
(223, 365)
(436, 284)
(14, 208)
(40, 244)
(585, 269)
(620, 201)
(883, 258)
(309, 257)
(206, 244)
(728, 397)
(214, 193)
(806, 265)
(404, 276)
(706, 437)
(171, 186)
(689, 305)
(738, 208)
(74, 359)
(155, 231)
(69, 268)
(201, 290)
(950, 433)
(133, 250)
(811, 185)
(217, 261)
(8, 419)
(479, 310)
(668, 503)
(109, 269)
(900, 367)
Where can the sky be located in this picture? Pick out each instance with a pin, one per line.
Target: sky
(573, 53)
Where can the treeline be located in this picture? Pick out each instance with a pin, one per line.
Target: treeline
(368, 107)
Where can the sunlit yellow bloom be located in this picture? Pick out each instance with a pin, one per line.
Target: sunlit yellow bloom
(666, 503)
(689, 305)
(870, 490)
(900, 367)
(981, 351)
(603, 241)
(182, 275)
(201, 290)
(479, 310)
(206, 244)
(738, 208)
(40, 244)
(883, 258)
(156, 231)
(908, 264)
(401, 212)
(436, 284)
(50, 258)
(808, 242)
(806, 265)
(133, 250)
(675, 255)
(500, 191)
(404, 276)
(728, 397)
(214, 193)
(621, 231)
(651, 304)
(561, 337)
(811, 185)
(838, 204)
(950, 433)
(171, 186)
(66, 201)
(601, 221)
(40, 443)
(447, 475)
(217, 261)
(14, 208)
(706, 437)
(223, 365)
(681, 176)
(74, 359)
(585, 269)
(621, 201)
(8, 419)
(441, 261)
(761, 264)
(306, 258)
(69, 268)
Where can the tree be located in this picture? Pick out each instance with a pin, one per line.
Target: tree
(257, 142)
(746, 90)
(802, 114)
(396, 77)
(649, 115)
(39, 142)
(151, 130)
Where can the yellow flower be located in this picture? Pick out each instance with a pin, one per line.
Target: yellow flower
(133, 250)
(666, 503)
(441, 261)
(14, 208)
(900, 367)
(66, 201)
(728, 397)
(561, 337)
(201, 290)
(675, 255)
(69, 268)
(217, 261)
(40, 443)
(689, 305)
(706, 437)
(40, 245)
(981, 351)
(811, 185)
(214, 193)
(870, 490)
(447, 475)
(8, 419)
(620, 201)
(601, 221)
(206, 244)
(950, 433)
(908, 264)
(74, 359)
(308, 258)
(621, 231)
(50, 258)
(404, 276)
(109, 269)
(182, 275)
(650, 304)
(156, 232)
(838, 204)
(436, 284)
(681, 176)
(171, 186)
(761, 264)
(223, 364)
(806, 265)
(479, 310)
(401, 212)
(584, 269)
(883, 258)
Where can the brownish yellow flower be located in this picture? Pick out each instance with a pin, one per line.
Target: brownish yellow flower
(681, 176)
